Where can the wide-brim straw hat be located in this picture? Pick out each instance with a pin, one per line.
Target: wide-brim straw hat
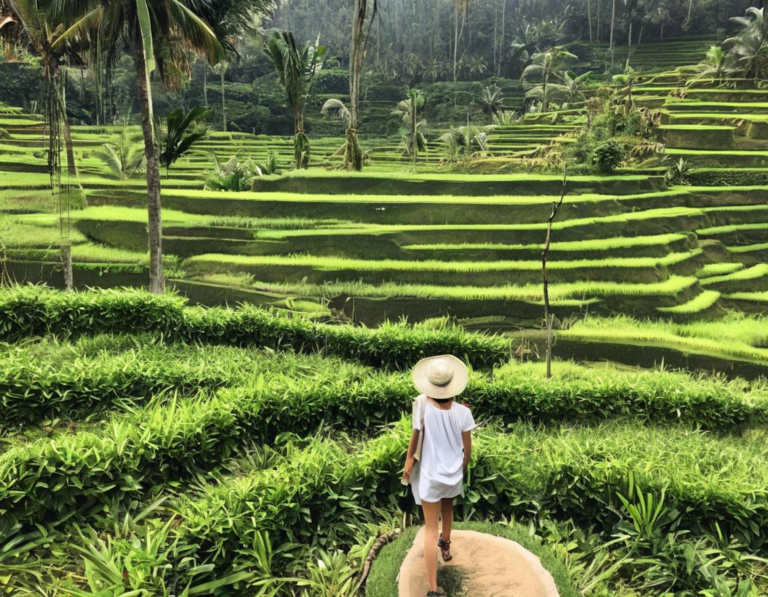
(440, 377)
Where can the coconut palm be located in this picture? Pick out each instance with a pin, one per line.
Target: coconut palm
(409, 110)
(160, 34)
(549, 67)
(296, 69)
(363, 16)
(750, 46)
(34, 24)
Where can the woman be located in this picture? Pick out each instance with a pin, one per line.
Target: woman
(440, 450)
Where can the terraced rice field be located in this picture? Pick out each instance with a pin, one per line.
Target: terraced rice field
(394, 242)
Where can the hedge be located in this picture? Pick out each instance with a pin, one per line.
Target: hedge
(34, 311)
(34, 386)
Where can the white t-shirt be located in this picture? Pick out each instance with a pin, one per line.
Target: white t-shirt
(441, 469)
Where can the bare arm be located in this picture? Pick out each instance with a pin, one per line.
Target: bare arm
(409, 461)
(466, 437)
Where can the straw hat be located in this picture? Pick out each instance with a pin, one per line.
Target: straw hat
(440, 377)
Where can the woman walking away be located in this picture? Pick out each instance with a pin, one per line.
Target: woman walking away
(440, 450)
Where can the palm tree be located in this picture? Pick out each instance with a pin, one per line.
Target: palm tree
(716, 65)
(181, 133)
(362, 21)
(547, 66)
(409, 110)
(490, 99)
(572, 88)
(750, 45)
(296, 69)
(34, 22)
(627, 81)
(124, 156)
(159, 33)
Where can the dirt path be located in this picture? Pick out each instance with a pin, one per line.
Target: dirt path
(494, 567)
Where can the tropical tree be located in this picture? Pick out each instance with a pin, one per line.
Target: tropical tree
(296, 69)
(182, 131)
(505, 118)
(466, 142)
(158, 32)
(37, 26)
(626, 82)
(749, 47)
(410, 110)
(490, 99)
(572, 88)
(717, 64)
(124, 156)
(34, 24)
(549, 67)
(362, 21)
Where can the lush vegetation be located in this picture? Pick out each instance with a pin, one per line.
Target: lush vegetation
(174, 443)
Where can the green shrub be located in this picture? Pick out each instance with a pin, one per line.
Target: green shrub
(322, 494)
(36, 311)
(608, 156)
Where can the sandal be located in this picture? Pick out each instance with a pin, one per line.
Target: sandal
(437, 594)
(445, 549)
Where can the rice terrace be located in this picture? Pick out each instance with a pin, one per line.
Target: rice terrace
(238, 238)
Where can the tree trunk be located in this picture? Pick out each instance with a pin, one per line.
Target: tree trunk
(353, 155)
(455, 37)
(502, 49)
(61, 98)
(613, 26)
(223, 67)
(66, 262)
(154, 209)
(544, 102)
(205, 83)
(599, 23)
(690, 14)
(549, 319)
(589, 18)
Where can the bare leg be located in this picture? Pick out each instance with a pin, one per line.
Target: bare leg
(446, 510)
(431, 510)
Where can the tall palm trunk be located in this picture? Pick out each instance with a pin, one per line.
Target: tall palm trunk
(154, 209)
(544, 99)
(67, 130)
(223, 67)
(613, 27)
(353, 155)
(205, 83)
(502, 47)
(589, 18)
